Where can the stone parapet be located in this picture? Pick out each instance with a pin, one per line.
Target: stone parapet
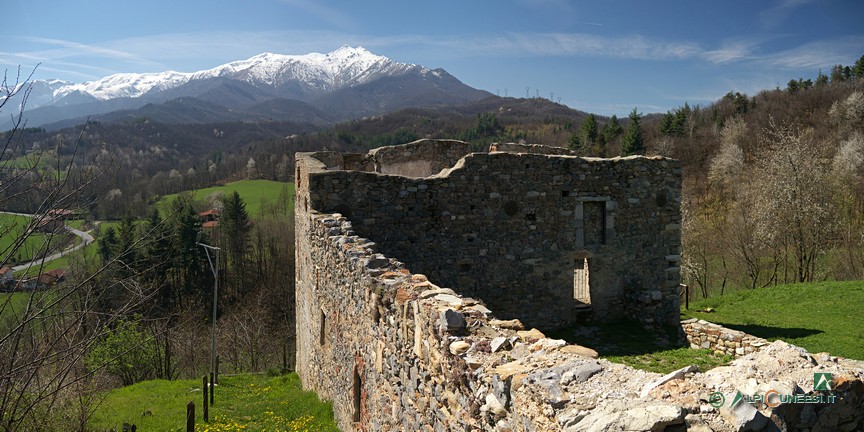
(703, 334)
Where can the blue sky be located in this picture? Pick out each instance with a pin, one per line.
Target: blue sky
(602, 57)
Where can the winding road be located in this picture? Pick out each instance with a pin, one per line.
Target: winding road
(86, 239)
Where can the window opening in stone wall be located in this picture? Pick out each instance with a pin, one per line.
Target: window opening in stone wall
(581, 290)
(322, 331)
(358, 384)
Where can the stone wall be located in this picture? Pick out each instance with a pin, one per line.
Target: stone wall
(703, 334)
(394, 352)
(420, 158)
(530, 148)
(517, 229)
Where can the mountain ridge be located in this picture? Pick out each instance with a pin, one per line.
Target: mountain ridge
(315, 78)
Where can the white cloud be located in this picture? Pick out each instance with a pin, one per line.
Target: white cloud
(66, 48)
(820, 54)
(731, 51)
(516, 44)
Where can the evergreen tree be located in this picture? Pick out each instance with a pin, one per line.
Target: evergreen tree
(821, 79)
(589, 130)
(236, 228)
(612, 130)
(666, 123)
(107, 245)
(633, 142)
(575, 142)
(158, 257)
(858, 69)
(837, 74)
(188, 259)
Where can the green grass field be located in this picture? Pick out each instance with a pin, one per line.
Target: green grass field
(88, 253)
(243, 402)
(253, 192)
(820, 316)
(12, 227)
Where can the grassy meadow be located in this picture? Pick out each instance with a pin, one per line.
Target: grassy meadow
(12, 227)
(243, 403)
(256, 193)
(819, 316)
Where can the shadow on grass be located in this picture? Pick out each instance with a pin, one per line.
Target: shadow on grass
(771, 333)
(622, 338)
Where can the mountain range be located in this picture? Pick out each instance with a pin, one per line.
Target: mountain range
(314, 88)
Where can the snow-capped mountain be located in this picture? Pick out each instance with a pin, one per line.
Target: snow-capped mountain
(346, 83)
(344, 67)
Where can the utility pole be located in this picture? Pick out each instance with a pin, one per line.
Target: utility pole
(215, 270)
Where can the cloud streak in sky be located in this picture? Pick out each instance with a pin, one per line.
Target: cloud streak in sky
(820, 54)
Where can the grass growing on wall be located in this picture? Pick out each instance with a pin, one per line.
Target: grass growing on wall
(243, 403)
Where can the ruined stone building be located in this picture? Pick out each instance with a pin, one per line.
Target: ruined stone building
(404, 251)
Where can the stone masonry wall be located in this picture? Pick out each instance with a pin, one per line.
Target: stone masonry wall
(420, 158)
(530, 148)
(511, 229)
(394, 352)
(703, 334)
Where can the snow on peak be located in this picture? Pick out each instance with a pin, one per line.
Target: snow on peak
(345, 66)
(125, 85)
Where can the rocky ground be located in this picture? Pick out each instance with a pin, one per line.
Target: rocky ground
(544, 386)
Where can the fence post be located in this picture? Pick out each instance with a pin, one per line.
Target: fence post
(212, 387)
(190, 417)
(217, 369)
(205, 388)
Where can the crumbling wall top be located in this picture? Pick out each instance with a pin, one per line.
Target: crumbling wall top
(421, 158)
(530, 148)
